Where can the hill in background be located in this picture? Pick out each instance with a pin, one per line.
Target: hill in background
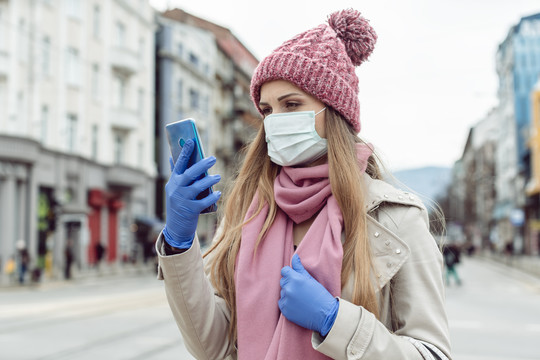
(429, 182)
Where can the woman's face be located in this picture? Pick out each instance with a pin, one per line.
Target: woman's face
(280, 96)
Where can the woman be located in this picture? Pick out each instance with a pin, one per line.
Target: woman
(316, 257)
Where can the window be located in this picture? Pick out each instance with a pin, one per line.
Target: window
(96, 21)
(180, 50)
(194, 99)
(180, 94)
(120, 34)
(205, 104)
(94, 145)
(2, 201)
(95, 81)
(119, 88)
(23, 44)
(74, 8)
(141, 151)
(46, 56)
(3, 101)
(72, 67)
(141, 103)
(44, 123)
(194, 60)
(71, 133)
(119, 144)
(3, 33)
(21, 111)
(141, 51)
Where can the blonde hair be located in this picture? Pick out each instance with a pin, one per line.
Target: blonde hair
(257, 174)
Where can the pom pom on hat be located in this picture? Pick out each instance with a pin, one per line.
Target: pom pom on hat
(322, 61)
(355, 32)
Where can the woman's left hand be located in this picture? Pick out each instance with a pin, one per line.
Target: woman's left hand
(304, 301)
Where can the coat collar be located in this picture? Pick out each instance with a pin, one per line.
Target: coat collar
(379, 191)
(389, 251)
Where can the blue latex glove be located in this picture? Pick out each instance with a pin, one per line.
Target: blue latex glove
(184, 185)
(304, 301)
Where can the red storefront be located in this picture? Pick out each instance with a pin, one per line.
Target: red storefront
(101, 201)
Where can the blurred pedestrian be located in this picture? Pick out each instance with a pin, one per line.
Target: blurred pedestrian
(68, 259)
(24, 260)
(452, 257)
(316, 257)
(100, 252)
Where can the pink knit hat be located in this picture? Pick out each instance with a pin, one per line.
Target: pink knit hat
(321, 61)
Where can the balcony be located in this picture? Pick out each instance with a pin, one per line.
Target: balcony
(124, 119)
(124, 60)
(123, 176)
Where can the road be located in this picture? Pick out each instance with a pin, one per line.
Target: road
(96, 318)
(494, 315)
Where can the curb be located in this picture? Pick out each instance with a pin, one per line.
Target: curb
(519, 264)
(80, 276)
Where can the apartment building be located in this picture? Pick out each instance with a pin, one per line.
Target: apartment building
(76, 127)
(204, 73)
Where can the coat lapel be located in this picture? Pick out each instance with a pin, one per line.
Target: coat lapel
(389, 251)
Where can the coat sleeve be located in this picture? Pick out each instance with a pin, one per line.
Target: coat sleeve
(201, 315)
(417, 295)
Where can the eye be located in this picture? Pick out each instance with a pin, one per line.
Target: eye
(292, 105)
(266, 111)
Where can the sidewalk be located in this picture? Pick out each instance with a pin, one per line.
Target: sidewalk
(525, 263)
(106, 271)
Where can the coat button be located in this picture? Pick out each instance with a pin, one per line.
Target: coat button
(400, 197)
(386, 196)
(398, 251)
(411, 197)
(376, 234)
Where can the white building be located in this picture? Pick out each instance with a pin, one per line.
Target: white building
(76, 125)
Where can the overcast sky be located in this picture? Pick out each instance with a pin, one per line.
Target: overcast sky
(432, 74)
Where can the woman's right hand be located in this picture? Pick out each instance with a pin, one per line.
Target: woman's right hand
(184, 185)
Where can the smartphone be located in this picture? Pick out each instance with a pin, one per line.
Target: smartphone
(177, 134)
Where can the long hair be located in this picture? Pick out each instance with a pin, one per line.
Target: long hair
(258, 173)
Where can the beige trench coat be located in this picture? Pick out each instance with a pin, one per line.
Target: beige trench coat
(408, 265)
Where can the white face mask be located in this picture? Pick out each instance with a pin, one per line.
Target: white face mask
(292, 139)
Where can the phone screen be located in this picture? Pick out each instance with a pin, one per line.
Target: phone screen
(177, 134)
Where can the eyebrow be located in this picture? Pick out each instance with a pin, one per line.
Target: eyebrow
(280, 98)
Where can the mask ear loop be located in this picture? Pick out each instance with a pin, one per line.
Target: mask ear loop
(324, 108)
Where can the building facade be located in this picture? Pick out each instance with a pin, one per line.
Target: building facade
(76, 127)
(198, 57)
(496, 183)
(532, 236)
(518, 68)
(486, 133)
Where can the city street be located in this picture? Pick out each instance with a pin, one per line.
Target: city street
(494, 315)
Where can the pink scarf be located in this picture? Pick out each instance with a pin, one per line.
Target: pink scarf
(263, 332)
